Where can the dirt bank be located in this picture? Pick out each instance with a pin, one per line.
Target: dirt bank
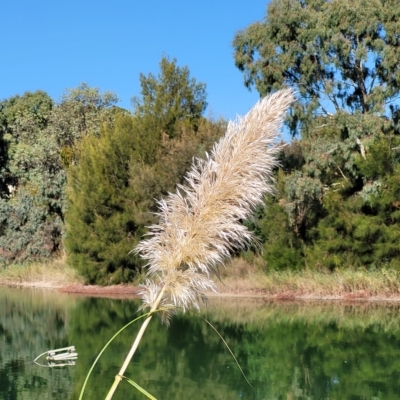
(113, 291)
(130, 291)
(101, 291)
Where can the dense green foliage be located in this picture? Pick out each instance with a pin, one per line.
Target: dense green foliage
(37, 140)
(341, 56)
(338, 189)
(134, 161)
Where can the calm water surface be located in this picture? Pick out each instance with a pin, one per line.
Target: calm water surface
(287, 350)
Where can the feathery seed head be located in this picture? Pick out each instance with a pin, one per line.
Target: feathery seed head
(200, 224)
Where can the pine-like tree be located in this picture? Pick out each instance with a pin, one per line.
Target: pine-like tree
(101, 227)
(119, 174)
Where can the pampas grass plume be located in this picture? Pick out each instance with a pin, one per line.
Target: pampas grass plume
(200, 225)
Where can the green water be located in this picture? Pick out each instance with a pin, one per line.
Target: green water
(287, 350)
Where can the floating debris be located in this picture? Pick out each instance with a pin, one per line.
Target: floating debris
(59, 357)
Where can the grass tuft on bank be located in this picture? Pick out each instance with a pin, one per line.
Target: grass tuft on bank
(52, 274)
(242, 277)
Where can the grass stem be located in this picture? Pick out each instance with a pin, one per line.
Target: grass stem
(119, 376)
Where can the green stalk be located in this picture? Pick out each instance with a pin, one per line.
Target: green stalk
(120, 375)
(102, 351)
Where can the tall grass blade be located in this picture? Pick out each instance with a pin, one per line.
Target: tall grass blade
(135, 345)
(227, 346)
(102, 351)
(134, 384)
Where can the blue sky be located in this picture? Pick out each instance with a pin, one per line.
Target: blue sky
(53, 45)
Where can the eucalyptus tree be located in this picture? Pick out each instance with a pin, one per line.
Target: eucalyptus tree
(341, 56)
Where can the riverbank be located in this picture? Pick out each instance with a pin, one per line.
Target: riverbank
(58, 276)
(53, 274)
(238, 279)
(241, 278)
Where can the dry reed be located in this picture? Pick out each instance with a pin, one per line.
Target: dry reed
(200, 225)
